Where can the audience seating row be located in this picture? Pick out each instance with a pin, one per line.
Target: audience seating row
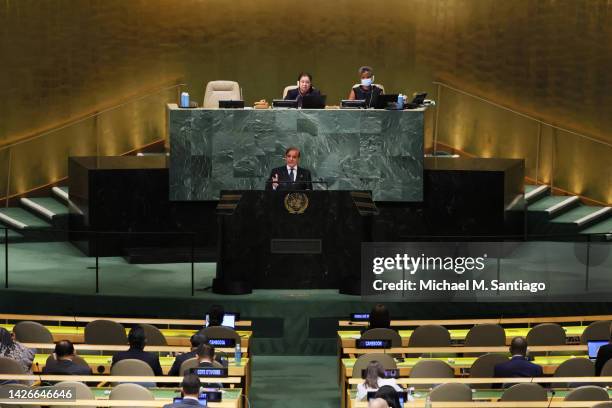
(481, 335)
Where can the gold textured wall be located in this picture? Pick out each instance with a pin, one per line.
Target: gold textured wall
(551, 59)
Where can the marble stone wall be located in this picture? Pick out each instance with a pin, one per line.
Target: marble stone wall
(225, 149)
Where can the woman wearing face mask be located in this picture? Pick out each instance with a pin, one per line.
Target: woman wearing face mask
(304, 88)
(366, 90)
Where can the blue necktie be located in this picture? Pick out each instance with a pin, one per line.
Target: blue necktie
(291, 175)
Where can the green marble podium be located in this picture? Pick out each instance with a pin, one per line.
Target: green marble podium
(235, 149)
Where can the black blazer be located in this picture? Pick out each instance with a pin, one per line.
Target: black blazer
(517, 366)
(603, 355)
(180, 359)
(183, 404)
(294, 93)
(65, 367)
(302, 179)
(149, 358)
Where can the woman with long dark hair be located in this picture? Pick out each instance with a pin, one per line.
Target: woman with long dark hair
(15, 351)
(374, 378)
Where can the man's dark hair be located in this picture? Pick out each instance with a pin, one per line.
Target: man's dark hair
(64, 348)
(137, 337)
(198, 339)
(518, 346)
(191, 384)
(379, 317)
(205, 350)
(290, 148)
(389, 394)
(215, 315)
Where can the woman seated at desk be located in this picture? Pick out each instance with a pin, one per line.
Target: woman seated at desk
(366, 90)
(304, 88)
(373, 379)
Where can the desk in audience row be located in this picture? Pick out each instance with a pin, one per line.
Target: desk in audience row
(501, 321)
(174, 337)
(573, 333)
(197, 323)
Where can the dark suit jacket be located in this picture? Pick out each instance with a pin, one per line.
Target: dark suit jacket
(603, 355)
(518, 367)
(65, 367)
(302, 179)
(180, 359)
(149, 358)
(294, 93)
(183, 404)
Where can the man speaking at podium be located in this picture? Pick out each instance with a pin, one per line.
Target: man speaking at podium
(290, 176)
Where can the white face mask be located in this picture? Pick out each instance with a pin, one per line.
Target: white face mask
(366, 81)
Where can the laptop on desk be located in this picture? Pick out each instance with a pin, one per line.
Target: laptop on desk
(314, 101)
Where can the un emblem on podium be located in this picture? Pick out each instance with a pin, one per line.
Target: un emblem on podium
(296, 203)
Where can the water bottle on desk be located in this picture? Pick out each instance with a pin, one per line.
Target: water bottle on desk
(238, 354)
(400, 101)
(184, 100)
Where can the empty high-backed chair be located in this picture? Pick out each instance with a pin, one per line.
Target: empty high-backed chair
(546, 334)
(133, 367)
(574, 367)
(131, 392)
(599, 330)
(154, 336)
(588, 393)
(484, 367)
(363, 360)
(82, 392)
(221, 91)
(10, 366)
(105, 332)
(525, 392)
(289, 88)
(383, 334)
(451, 392)
(485, 335)
(430, 335)
(32, 332)
(431, 369)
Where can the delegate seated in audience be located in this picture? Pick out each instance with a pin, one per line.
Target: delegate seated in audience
(206, 359)
(603, 355)
(216, 313)
(379, 318)
(16, 351)
(137, 341)
(518, 365)
(62, 363)
(195, 340)
(390, 395)
(374, 379)
(206, 356)
(191, 391)
(377, 403)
